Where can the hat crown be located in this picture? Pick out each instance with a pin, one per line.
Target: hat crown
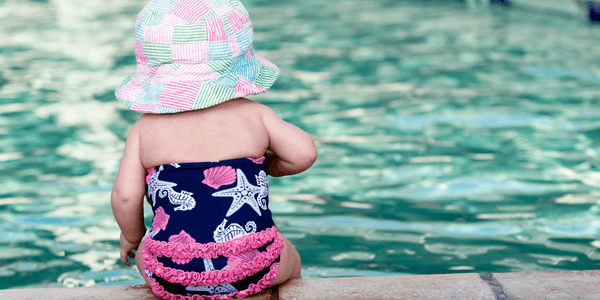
(191, 32)
(193, 54)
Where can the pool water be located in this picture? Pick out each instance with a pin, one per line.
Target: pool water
(451, 138)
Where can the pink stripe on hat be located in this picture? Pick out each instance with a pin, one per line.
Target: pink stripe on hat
(143, 108)
(166, 74)
(196, 53)
(138, 48)
(171, 20)
(179, 95)
(142, 72)
(153, 70)
(158, 34)
(197, 73)
(245, 87)
(235, 49)
(265, 62)
(237, 20)
(190, 10)
(215, 31)
(131, 91)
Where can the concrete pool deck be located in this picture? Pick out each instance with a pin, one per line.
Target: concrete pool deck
(465, 286)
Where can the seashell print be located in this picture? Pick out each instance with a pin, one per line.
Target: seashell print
(150, 172)
(181, 261)
(160, 220)
(217, 176)
(257, 161)
(235, 261)
(184, 238)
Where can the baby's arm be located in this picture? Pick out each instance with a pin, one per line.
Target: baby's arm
(127, 197)
(293, 150)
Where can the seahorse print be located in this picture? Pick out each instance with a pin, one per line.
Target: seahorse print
(183, 199)
(158, 186)
(165, 188)
(148, 273)
(261, 179)
(224, 288)
(234, 230)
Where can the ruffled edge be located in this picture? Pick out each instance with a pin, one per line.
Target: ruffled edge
(211, 250)
(207, 164)
(252, 288)
(213, 277)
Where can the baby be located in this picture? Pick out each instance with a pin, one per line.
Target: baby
(201, 154)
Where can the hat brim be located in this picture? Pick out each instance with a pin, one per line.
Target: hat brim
(177, 88)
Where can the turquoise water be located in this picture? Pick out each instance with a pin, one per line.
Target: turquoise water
(451, 139)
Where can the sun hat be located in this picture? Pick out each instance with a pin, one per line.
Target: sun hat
(193, 54)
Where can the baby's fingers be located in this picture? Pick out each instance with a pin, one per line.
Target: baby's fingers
(124, 257)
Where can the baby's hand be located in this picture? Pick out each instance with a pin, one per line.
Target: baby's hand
(126, 250)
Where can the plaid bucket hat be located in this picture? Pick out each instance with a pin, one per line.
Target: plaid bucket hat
(193, 54)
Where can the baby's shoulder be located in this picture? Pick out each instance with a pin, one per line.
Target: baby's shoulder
(245, 105)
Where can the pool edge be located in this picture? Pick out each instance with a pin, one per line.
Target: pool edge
(521, 285)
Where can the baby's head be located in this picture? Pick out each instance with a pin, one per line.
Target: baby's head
(193, 54)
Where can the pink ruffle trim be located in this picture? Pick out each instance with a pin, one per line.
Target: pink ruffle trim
(211, 250)
(216, 277)
(252, 288)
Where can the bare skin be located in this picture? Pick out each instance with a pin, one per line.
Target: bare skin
(234, 129)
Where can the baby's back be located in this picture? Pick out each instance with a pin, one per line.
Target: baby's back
(233, 129)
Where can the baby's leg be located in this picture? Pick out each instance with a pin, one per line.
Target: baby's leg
(289, 268)
(138, 262)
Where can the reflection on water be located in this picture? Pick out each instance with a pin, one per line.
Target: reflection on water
(452, 139)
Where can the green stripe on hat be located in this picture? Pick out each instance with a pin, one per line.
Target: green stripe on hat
(209, 95)
(228, 28)
(127, 103)
(266, 77)
(164, 110)
(147, 80)
(126, 81)
(221, 67)
(189, 33)
(157, 54)
(209, 15)
(175, 67)
(152, 18)
(234, 3)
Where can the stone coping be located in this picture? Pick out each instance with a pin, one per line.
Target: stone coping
(464, 286)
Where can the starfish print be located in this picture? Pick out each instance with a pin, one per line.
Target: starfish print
(242, 193)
